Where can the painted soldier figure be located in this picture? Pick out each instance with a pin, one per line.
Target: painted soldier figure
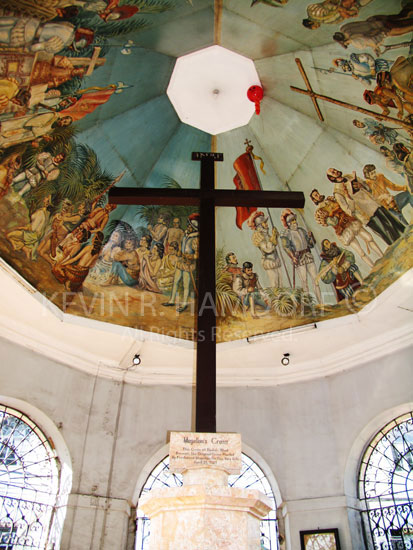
(362, 66)
(298, 243)
(46, 168)
(186, 264)
(266, 244)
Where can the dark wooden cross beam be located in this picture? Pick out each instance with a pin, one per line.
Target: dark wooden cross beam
(206, 198)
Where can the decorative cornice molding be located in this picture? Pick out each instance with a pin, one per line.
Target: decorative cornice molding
(358, 339)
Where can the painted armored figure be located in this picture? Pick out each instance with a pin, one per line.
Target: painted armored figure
(298, 243)
(266, 244)
(186, 264)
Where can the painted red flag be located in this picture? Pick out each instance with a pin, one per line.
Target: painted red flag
(88, 103)
(246, 179)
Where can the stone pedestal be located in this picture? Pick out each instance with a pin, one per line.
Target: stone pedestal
(206, 514)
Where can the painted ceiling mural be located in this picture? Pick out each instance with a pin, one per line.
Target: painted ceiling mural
(83, 108)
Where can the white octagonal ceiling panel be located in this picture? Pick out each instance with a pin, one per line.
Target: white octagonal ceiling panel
(208, 89)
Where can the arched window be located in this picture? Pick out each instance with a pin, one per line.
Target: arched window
(31, 515)
(251, 477)
(386, 486)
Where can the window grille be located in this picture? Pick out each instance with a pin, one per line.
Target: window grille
(29, 484)
(386, 486)
(251, 477)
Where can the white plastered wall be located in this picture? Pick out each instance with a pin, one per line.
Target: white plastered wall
(307, 433)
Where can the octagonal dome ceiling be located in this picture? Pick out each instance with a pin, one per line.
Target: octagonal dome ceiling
(83, 107)
(207, 89)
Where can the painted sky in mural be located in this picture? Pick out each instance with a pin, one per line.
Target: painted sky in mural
(83, 108)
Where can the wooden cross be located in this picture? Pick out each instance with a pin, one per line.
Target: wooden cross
(309, 91)
(314, 96)
(90, 62)
(206, 198)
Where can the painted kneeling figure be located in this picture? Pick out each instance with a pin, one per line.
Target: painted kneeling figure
(249, 290)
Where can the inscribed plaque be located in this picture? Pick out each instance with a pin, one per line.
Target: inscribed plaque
(188, 450)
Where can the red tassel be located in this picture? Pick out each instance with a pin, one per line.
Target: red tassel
(255, 94)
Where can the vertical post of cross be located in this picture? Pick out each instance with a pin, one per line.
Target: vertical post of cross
(208, 198)
(205, 400)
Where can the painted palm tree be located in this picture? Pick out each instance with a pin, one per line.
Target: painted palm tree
(150, 213)
(106, 32)
(81, 179)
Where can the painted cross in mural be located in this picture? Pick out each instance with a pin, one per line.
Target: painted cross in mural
(207, 197)
(368, 96)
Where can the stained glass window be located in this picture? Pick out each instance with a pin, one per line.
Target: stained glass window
(251, 477)
(29, 485)
(386, 485)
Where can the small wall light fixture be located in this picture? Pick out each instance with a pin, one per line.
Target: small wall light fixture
(285, 359)
(136, 360)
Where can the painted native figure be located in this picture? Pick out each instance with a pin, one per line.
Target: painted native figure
(348, 229)
(380, 187)
(332, 12)
(338, 266)
(73, 271)
(27, 238)
(374, 30)
(354, 197)
(400, 77)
